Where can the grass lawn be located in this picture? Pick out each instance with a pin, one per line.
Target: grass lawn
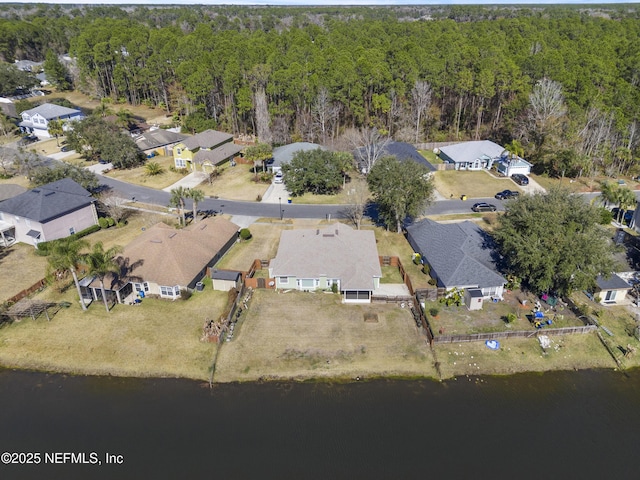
(584, 184)
(567, 352)
(139, 176)
(432, 158)
(395, 244)
(391, 275)
(157, 338)
(343, 197)
(21, 268)
(263, 245)
(235, 183)
(313, 335)
(16, 180)
(474, 184)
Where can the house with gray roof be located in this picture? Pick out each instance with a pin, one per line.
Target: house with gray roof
(51, 211)
(318, 258)
(401, 150)
(458, 255)
(36, 120)
(158, 141)
(184, 152)
(482, 154)
(285, 153)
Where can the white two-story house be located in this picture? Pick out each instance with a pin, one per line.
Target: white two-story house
(35, 121)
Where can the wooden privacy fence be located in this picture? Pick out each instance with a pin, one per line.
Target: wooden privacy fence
(388, 261)
(250, 281)
(25, 293)
(478, 337)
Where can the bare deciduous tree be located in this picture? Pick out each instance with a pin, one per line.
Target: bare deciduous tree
(325, 114)
(369, 144)
(259, 78)
(546, 103)
(420, 102)
(358, 200)
(115, 206)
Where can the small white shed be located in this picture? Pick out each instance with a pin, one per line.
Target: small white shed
(473, 298)
(225, 280)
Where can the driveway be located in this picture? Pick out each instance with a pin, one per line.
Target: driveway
(533, 187)
(276, 193)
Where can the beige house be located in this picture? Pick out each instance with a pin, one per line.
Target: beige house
(318, 258)
(164, 261)
(612, 290)
(51, 211)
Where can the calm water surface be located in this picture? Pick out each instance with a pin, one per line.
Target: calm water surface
(568, 425)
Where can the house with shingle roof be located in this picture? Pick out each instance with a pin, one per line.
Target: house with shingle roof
(458, 255)
(405, 152)
(45, 213)
(158, 141)
(316, 259)
(483, 154)
(611, 290)
(285, 153)
(35, 121)
(208, 148)
(163, 260)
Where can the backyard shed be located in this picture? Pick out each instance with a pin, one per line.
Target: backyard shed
(473, 298)
(225, 280)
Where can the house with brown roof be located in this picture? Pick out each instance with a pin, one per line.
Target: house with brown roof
(318, 258)
(163, 261)
(209, 148)
(158, 141)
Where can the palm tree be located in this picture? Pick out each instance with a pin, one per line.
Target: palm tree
(625, 198)
(608, 193)
(178, 195)
(125, 118)
(196, 196)
(55, 128)
(102, 262)
(64, 254)
(153, 168)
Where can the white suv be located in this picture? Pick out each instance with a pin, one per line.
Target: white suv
(278, 178)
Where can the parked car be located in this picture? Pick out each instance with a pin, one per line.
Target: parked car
(65, 148)
(628, 215)
(279, 178)
(483, 207)
(507, 194)
(520, 179)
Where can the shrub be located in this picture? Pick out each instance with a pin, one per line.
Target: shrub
(111, 221)
(433, 311)
(432, 282)
(334, 287)
(258, 198)
(245, 234)
(185, 294)
(87, 231)
(511, 317)
(103, 222)
(417, 258)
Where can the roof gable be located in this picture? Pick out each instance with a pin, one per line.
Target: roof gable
(50, 111)
(49, 201)
(207, 139)
(337, 251)
(158, 138)
(469, 151)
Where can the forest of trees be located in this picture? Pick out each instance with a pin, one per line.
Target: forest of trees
(563, 82)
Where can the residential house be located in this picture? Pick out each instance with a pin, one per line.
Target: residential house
(158, 141)
(318, 258)
(208, 148)
(285, 154)
(401, 150)
(164, 261)
(51, 211)
(611, 290)
(483, 154)
(457, 255)
(36, 120)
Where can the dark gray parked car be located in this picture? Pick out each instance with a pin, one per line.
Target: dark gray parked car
(520, 179)
(483, 207)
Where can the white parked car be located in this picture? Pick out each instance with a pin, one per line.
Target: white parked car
(278, 177)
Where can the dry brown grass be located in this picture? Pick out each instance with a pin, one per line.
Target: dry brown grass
(567, 352)
(343, 197)
(235, 183)
(312, 335)
(263, 246)
(157, 338)
(474, 184)
(139, 176)
(21, 268)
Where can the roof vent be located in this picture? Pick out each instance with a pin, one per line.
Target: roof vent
(48, 194)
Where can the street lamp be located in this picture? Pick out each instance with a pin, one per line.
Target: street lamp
(280, 206)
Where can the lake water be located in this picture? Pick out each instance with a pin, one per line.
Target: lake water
(563, 425)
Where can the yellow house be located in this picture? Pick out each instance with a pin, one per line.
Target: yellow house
(208, 148)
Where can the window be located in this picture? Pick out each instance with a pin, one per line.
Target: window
(181, 163)
(72, 231)
(307, 282)
(166, 291)
(283, 280)
(176, 291)
(178, 151)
